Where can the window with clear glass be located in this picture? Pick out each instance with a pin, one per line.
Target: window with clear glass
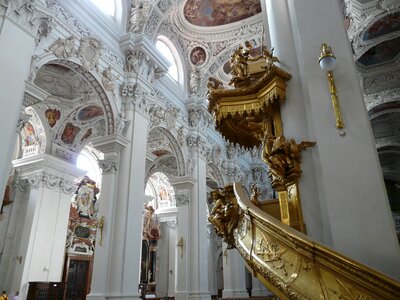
(87, 162)
(166, 51)
(106, 6)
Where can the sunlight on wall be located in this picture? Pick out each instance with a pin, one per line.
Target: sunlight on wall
(106, 6)
(88, 163)
(164, 49)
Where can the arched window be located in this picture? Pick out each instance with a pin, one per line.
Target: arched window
(167, 48)
(108, 7)
(161, 191)
(87, 161)
(112, 9)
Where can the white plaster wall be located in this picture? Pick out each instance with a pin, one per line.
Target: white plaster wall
(234, 275)
(15, 62)
(162, 262)
(351, 190)
(172, 249)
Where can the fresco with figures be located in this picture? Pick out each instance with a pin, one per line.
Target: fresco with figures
(385, 25)
(220, 12)
(381, 53)
(90, 112)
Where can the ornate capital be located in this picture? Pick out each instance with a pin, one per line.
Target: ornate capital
(183, 189)
(182, 197)
(172, 224)
(199, 119)
(109, 165)
(45, 180)
(198, 144)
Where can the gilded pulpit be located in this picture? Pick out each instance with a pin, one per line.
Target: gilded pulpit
(249, 114)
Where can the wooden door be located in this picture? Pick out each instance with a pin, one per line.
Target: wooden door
(77, 279)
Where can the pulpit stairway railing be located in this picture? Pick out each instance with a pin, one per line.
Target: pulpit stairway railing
(293, 266)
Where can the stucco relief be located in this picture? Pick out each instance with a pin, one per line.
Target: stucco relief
(47, 180)
(63, 48)
(376, 82)
(109, 164)
(68, 21)
(89, 52)
(138, 15)
(29, 14)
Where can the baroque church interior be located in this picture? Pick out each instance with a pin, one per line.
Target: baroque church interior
(199, 149)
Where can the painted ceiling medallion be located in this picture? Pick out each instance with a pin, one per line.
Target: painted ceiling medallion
(219, 12)
(198, 56)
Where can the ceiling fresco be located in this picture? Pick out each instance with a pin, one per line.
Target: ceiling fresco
(90, 112)
(385, 25)
(381, 53)
(220, 12)
(383, 107)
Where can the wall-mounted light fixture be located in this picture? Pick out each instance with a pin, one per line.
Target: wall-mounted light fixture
(19, 258)
(180, 245)
(327, 62)
(225, 253)
(100, 225)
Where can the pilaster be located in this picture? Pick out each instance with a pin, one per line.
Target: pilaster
(183, 193)
(25, 22)
(341, 185)
(111, 146)
(44, 187)
(234, 274)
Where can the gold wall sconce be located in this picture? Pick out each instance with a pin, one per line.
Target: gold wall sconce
(180, 245)
(225, 253)
(100, 225)
(327, 62)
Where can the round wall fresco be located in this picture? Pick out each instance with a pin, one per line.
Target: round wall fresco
(198, 56)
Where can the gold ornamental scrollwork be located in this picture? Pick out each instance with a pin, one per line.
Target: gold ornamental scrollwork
(295, 267)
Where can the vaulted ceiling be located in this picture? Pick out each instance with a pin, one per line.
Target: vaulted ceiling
(373, 28)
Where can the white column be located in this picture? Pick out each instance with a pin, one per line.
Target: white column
(111, 146)
(212, 260)
(199, 241)
(234, 274)
(171, 258)
(15, 60)
(126, 241)
(183, 187)
(351, 192)
(45, 187)
(162, 275)
(294, 117)
(259, 290)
